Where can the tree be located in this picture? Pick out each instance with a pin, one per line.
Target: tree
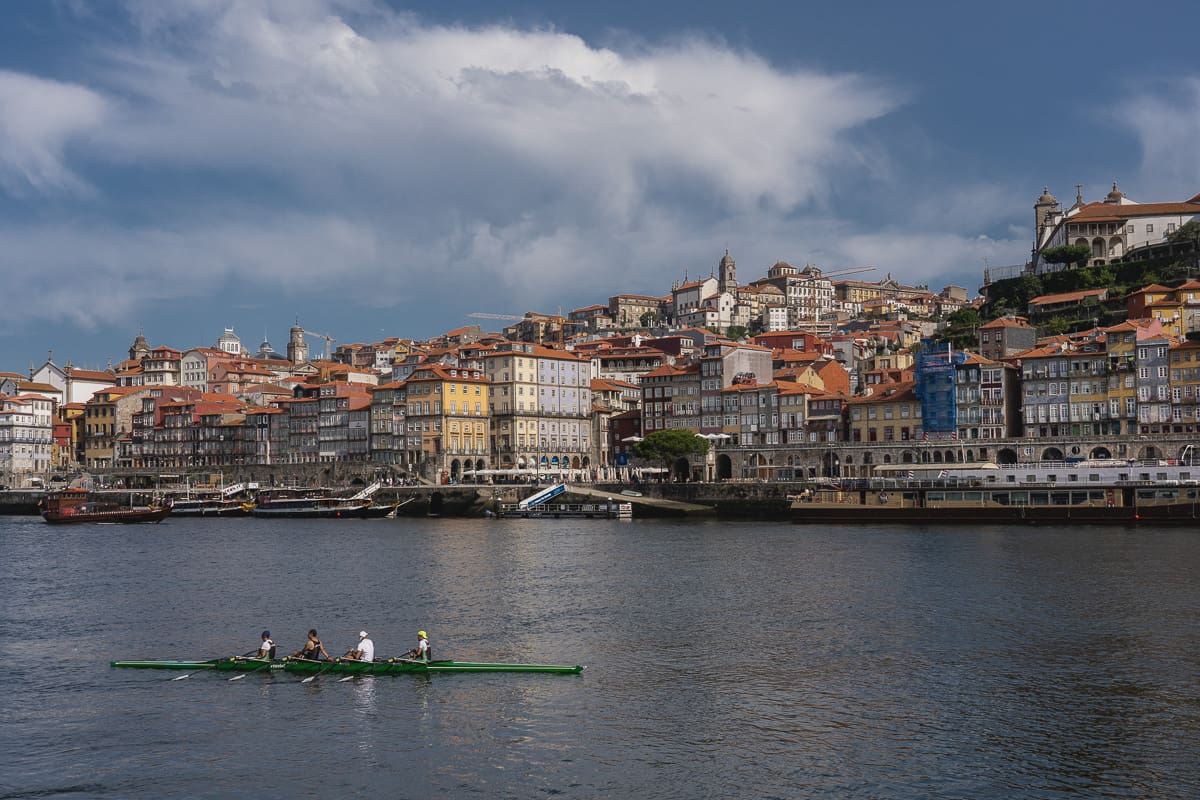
(1077, 254)
(736, 332)
(647, 319)
(1188, 232)
(1058, 325)
(668, 446)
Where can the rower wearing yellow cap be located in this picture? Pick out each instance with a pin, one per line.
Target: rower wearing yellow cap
(422, 650)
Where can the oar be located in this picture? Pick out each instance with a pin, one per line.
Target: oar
(217, 660)
(261, 666)
(310, 678)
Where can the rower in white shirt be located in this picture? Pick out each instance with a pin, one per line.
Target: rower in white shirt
(365, 650)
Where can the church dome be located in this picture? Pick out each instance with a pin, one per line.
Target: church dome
(1047, 199)
(1115, 196)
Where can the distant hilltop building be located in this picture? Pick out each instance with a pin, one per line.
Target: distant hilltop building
(1112, 228)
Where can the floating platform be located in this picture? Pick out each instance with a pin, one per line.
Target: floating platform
(568, 511)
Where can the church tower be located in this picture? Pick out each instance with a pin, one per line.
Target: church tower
(297, 349)
(727, 274)
(140, 347)
(1043, 215)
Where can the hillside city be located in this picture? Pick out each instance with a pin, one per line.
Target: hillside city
(1091, 349)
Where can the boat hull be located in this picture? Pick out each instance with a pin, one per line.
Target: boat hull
(391, 666)
(334, 512)
(125, 516)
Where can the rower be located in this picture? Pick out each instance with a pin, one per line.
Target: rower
(313, 650)
(267, 648)
(365, 650)
(422, 650)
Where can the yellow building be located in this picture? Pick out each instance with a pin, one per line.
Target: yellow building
(891, 414)
(1185, 386)
(447, 413)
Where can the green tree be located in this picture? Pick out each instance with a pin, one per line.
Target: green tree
(736, 332)
(668, 446)
(1077, 254)
(1058, 326)
(1189, 232)
(647, 319)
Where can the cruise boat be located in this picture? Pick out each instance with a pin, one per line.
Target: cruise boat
(312, 503)
(1098, 491)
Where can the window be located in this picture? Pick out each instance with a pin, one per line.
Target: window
(1170, 227)
(1150, 228)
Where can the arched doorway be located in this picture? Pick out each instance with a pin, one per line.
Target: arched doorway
(906, 457)
(1052, 454)
(831, 465)
(455, 469)
(681, 470)
(724, 467)
(1100, 452)
(1006, 456)
(1149, 452)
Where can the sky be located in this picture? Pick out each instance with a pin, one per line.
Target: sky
(377, 169)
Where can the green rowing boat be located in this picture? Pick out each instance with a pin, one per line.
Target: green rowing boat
(391, 666)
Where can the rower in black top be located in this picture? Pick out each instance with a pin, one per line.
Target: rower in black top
(313, 650)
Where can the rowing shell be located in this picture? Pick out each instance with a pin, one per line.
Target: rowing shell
(391, 666)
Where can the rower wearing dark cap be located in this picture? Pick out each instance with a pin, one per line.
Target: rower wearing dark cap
(267, 648)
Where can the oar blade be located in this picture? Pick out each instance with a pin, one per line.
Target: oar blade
(181, 677)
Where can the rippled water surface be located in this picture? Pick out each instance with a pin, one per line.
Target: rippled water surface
(724, 660)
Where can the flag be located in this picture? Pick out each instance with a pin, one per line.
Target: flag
(943, 474)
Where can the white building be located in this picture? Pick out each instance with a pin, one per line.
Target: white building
(26, 438)
(1111, 228)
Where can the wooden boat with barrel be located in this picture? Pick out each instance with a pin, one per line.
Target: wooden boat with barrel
(342, 666)
(77, 506)
(1091, 492)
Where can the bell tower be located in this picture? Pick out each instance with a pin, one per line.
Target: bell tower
(297, 349)
(727, 274)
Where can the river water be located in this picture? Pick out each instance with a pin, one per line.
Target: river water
(724, 660)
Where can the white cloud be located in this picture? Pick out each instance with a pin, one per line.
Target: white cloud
(1166, 121)
(38, 118)
(338, 140)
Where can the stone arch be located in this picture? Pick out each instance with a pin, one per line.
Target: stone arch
(1100, 452)
(1006, 455)
(724, 467)
(831, 465)
(1098, 248)
(455, 469)
(970, 455)
(1149, 452)
(937, 456)
(907, 457)
(681, 469)
(1081, 242)
(575, 462)
(867, 459)
(887, 458)
(1052, 454)
(1116, 248)
(480, 465)
(949, 456)
(924, 456)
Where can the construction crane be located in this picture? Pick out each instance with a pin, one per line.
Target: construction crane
(328, 340)
(533, 316)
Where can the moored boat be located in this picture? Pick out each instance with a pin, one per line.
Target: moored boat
(1096, 492)
(390, 666)
(76, 506)
(318, 503)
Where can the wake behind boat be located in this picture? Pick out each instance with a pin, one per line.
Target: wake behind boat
(391, 666)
